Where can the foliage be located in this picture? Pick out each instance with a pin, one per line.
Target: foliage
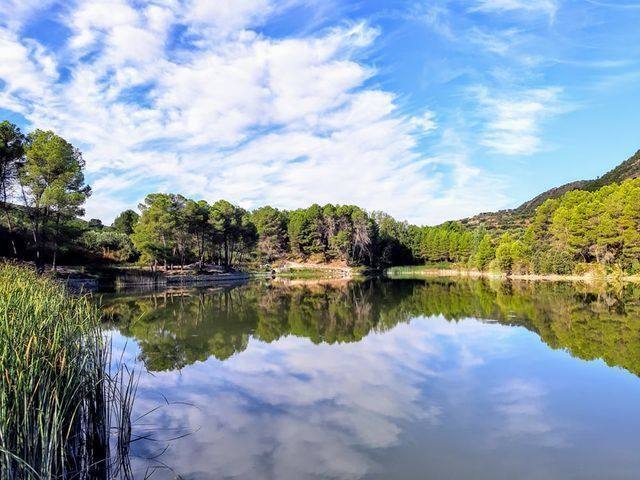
(53, 184)
(174, 229)
(484, 254)
(232, 230)
(56, 394)
(601, 227)
(125, 222)
(516, 220)
(271, 227)
(110, 244)
(11, 152)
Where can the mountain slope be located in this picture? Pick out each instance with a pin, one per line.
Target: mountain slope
(628, 169)
(518, 217)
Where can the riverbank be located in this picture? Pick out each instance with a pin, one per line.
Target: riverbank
(93, 278)
(117, 277)
(412, 271)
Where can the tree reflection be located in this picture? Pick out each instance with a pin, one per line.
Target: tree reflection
(177, 328)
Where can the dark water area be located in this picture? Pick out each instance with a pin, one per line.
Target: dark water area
(381, 379)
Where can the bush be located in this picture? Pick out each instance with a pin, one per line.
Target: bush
(110, 244)
(553, 262)
(634, 267)
(593, 269)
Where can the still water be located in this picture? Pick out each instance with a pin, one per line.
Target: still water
(384, 379)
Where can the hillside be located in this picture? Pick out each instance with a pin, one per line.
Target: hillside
(518, 217)
(628, 169)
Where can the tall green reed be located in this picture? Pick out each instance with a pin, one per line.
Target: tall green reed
(60, 400)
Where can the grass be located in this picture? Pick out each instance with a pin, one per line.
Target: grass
(59, 401)
(309, 273)
(417, 269)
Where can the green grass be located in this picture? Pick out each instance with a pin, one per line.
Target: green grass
(417, 269)
(57, 395)
(309, 273)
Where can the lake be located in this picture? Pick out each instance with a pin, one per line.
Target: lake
(384, 379)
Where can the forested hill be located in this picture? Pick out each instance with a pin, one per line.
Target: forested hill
(504, 220)
(628, 169)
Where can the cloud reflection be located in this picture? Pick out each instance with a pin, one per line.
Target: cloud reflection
(293, 409)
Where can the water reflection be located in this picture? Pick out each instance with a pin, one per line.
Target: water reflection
(177, 328)
(385, 379)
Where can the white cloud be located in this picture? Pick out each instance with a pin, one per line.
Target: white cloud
(513, 121)
(290, 408)
(543, 7)
(425, 123)
(237, 114)
(14, 12)
(316, 416)
(521, 403)
(498, 42)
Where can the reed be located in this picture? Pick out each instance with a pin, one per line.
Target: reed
(58, 391)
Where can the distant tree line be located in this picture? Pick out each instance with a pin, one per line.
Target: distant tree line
(42, 190)
(175, 230)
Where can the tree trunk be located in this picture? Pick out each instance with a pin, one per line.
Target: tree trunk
(56, 233)
(201, 251)
(226, 253)
(37, 244)
(164, 245)
(5, 207)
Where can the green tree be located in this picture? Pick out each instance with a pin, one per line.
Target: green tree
(485, 253)
(271, 226)
(197, 221)
(11, 156)
(53, 185)
(304, 230)
(126, 222)
(233, 230)
(152, 233)
(109, 244)
(504, 254)
(95, 224)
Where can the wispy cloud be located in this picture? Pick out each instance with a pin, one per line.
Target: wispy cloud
(620, 5)
(426, 123)
(513, 121)
(499, 42)
(522, 404)
(535, 7)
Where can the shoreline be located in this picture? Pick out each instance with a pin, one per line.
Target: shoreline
(121, 279)
(453, 272)
(81, 279)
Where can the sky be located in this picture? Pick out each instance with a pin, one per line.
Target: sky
(429, 110)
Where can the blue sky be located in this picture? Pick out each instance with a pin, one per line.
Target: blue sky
(429, 110)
